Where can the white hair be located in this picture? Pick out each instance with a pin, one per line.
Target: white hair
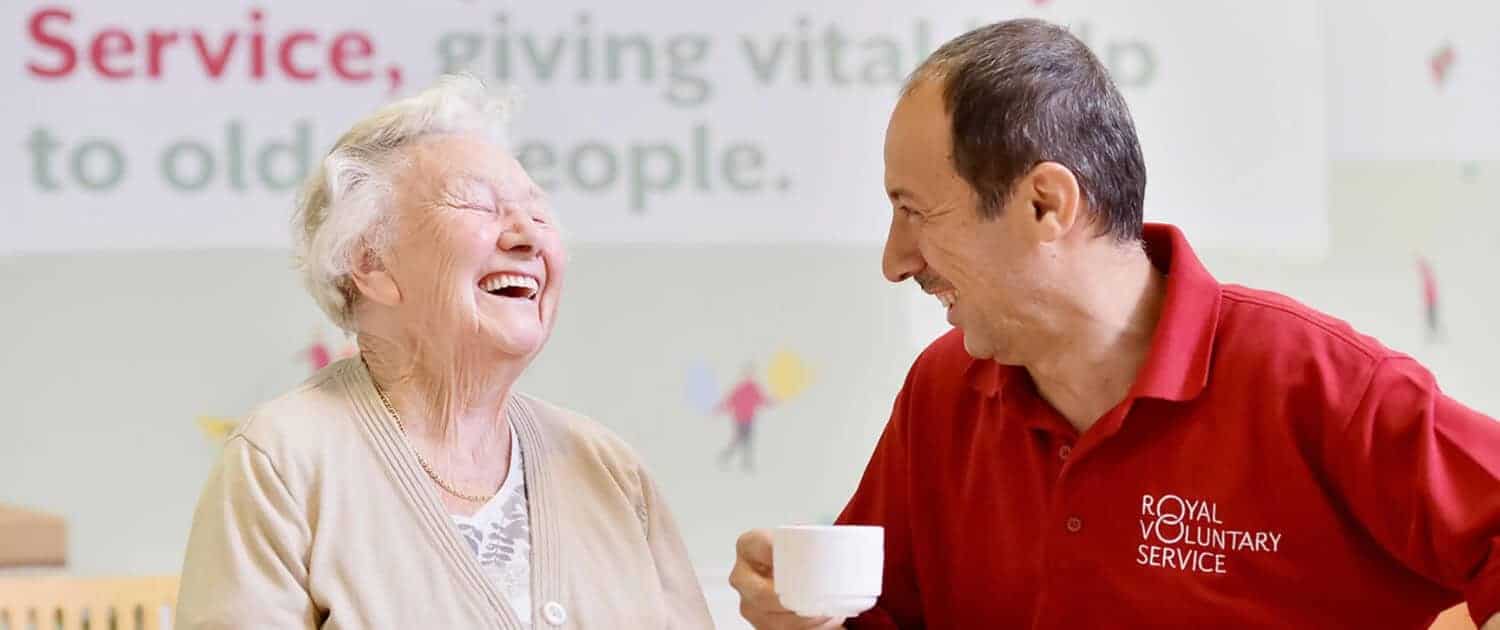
(343, 208)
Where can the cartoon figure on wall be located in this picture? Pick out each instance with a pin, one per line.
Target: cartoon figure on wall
(786, 378)
(1430, 303)
(742, 404)
(1440, 65)
(319, 355)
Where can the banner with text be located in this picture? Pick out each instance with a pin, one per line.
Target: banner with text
(156, 124)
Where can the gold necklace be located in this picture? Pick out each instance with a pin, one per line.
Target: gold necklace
(425, 466)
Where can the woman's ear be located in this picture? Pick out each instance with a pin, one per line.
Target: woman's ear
(374, 279)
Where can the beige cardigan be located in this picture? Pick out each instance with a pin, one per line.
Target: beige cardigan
(318, 515)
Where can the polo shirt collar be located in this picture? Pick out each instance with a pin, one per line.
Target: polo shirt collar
(1177, 364)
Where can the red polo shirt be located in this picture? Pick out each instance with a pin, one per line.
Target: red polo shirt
(1270, 468)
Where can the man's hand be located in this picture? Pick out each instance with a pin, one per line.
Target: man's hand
(753, 577)
(1492, 624)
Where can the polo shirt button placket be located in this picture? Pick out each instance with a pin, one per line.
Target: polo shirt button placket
(1063, 453)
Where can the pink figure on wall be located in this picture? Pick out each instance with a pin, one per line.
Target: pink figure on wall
(319, 354)
(1430, 299)
(1441, 63)
(742, 404)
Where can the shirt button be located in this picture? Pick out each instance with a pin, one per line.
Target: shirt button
(1074, 524)
(1064, 452)
(554, 613)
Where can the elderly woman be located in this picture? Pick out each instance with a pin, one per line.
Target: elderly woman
(410, 486)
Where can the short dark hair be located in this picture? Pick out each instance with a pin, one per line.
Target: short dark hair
(1022, 92)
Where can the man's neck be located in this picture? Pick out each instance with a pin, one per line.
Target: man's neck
(1104, 333)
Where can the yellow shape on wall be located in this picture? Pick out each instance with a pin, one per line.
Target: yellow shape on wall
(217, 428)
(787, 375)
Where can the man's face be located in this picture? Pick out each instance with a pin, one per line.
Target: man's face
(985, 272)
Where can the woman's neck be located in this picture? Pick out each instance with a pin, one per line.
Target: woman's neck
(450, 404)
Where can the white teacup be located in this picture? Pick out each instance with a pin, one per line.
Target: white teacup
(828, 570)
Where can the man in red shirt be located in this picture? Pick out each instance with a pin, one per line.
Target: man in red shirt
(1110, 438)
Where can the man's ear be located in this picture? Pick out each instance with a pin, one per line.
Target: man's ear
(374, 280)
(1055, 198)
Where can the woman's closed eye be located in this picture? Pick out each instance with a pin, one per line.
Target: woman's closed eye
(479, 207)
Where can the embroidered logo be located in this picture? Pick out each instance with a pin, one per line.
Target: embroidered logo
(1187, 535)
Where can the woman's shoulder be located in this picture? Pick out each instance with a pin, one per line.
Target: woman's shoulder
(573, 434)
(316, 411)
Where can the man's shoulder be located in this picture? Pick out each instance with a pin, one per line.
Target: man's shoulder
(1265, 326)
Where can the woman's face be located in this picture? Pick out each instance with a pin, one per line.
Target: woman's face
(474, 254)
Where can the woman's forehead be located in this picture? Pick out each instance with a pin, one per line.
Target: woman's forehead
(459, 165)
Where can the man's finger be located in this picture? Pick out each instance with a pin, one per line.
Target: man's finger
(754, 547)
(744, 578)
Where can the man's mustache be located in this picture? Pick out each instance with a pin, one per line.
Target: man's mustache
(929, 281)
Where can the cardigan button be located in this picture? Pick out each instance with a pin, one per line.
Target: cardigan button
(1074, 524)
(554, 613)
